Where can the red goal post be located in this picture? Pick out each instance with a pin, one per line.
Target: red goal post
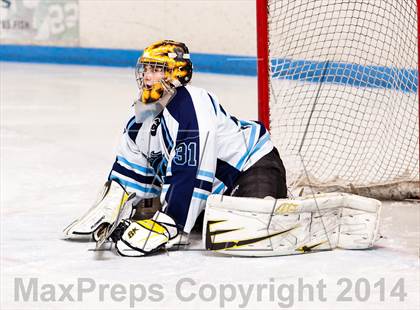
(338, 89)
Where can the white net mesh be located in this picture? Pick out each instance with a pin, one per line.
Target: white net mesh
(343, 90)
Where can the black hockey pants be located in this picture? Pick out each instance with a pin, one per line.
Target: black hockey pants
(267, 177)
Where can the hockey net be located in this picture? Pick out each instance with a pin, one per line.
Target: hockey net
(338, 89)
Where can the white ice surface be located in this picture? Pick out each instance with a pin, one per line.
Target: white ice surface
(59, 128)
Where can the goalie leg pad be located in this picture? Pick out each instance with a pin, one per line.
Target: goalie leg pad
(264, 227)
(358, 229)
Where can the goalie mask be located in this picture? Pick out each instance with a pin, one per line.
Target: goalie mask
(163, 66)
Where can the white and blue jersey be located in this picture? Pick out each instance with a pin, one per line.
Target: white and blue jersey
(191, 149)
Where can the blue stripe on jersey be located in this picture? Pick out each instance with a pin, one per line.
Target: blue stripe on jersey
(205, 185)
(138, 187)
(166, 136)
(204, 173)
(135, 176)
(219, 189)
(133, 130)
(214, 104)
(157, 161)
(260, 143)
(161, 170)
(130, 122)
(223, 110)
(235, 120)
(265, 138)
(185, 164)
(200, 196)
(168, 171)
(135, 166)
(245, 123)
(250, 147)
(201, 184)
(226, 173)
(263, 130)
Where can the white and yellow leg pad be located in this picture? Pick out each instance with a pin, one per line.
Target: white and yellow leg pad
(268, 227)
(147, 236)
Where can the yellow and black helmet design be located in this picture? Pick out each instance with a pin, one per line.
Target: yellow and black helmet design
(174, 59)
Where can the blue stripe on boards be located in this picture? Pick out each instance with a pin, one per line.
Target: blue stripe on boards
(211, 63)
(348, 74)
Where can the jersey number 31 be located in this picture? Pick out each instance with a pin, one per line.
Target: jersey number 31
(186, 154)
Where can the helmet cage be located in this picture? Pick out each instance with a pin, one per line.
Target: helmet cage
(153, 93)
(153, 66)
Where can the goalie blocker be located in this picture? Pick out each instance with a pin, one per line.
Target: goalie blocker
(268, 227)
(113, 202)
